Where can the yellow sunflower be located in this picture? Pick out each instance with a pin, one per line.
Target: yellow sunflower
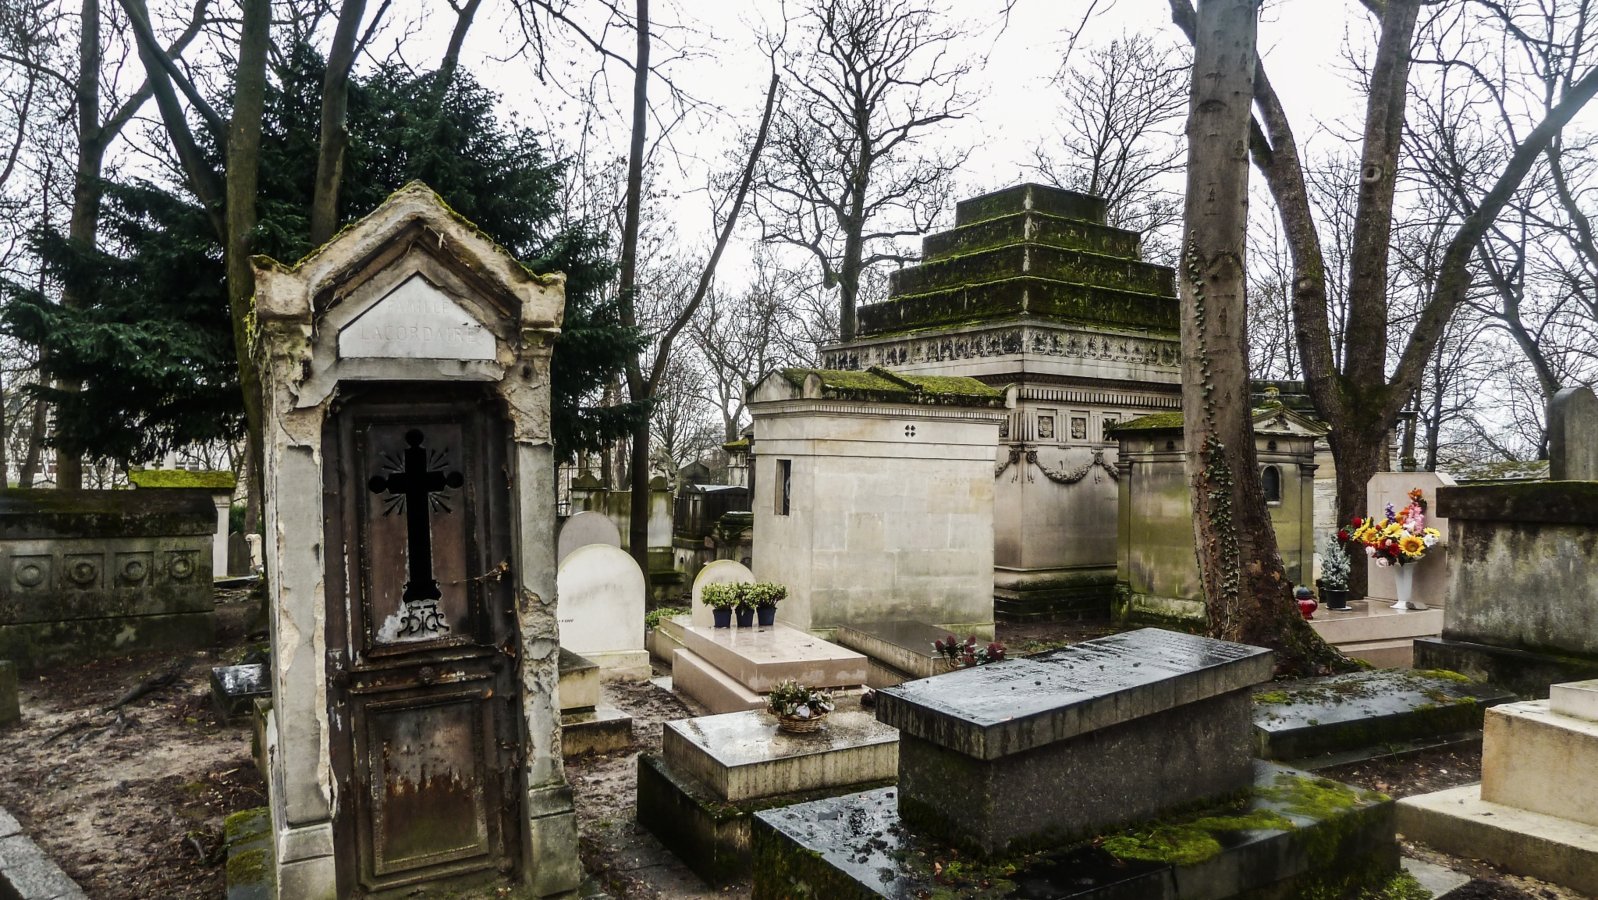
(1412, 545)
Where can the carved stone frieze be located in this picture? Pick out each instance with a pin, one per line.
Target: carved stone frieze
(1020, 452)
(1064, 343)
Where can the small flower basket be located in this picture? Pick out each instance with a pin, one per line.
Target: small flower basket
(799, 709)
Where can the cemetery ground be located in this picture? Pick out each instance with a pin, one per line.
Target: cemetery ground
(131, 804)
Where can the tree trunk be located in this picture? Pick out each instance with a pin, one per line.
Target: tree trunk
(243, 163)
(637, 388)
(1247, 595)
(334, 136)
(30, 459)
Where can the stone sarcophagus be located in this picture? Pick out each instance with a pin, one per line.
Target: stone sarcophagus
(85, 573)
(414, 740)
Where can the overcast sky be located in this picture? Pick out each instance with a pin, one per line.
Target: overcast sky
(1302, 41)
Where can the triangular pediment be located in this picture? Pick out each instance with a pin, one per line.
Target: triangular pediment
(416, 320)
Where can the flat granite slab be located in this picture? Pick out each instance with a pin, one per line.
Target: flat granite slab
(1294, 835)
(234, 689)
(743, 756)
(758, 658)
(1006, 708)
(904, 646)
(1577, 699)
(1313, 716)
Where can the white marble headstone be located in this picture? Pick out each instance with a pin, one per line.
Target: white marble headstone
(416, 321)
(722, 571)
(600, 595)
(587, 527)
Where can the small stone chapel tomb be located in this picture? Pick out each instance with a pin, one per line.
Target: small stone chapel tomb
(873, 497)
(410, 552)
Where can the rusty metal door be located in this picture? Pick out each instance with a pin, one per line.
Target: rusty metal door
(422, 646)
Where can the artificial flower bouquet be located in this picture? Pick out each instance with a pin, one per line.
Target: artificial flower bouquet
(1400, 538)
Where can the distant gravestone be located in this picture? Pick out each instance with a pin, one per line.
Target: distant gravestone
(600, 591)
(1573, 435)
(587, 527)
(10, 704)
(722, 571)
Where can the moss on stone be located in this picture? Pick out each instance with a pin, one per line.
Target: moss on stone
(1444, 674)
(1272, 697)
(247, 867)
(881, 384)
(1186, 843)
(1317, 798)
(179, 478)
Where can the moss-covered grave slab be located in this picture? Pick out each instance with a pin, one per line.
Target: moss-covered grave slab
(1023, 197)
(1289, 834)
(1528, 673)
(250, 869)
(1035, 227)
(1042, 260)
(1020, 295)
(1367, 710)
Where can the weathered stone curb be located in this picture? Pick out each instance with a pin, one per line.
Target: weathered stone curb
(26, 873)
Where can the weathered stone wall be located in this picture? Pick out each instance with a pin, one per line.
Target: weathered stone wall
(1522, 574)
(89, 573)
(890, 514)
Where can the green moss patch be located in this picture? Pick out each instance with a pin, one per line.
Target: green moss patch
(179, 478)
(1186, 843)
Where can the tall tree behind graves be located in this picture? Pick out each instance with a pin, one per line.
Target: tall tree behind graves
(850, 171)
(1353, 393)
(1246, 592)
(154, 343)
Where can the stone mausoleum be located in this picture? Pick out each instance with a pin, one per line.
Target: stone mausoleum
(1031, 288)
(414, 741)
(874, 497)
(1158, 577)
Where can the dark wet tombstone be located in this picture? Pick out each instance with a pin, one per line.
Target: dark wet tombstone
(10, 704)
(1151, 719)
(413, 738)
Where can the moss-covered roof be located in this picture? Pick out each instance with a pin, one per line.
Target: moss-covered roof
(1172, 421)
(180, 478)
(1500, 470)
(734, 446)
(877, 383)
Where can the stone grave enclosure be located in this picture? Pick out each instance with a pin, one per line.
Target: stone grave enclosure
(91, 573)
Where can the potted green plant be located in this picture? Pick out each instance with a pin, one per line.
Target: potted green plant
(722, 599)
(766, 595)
(798, 708)
(1333, 582)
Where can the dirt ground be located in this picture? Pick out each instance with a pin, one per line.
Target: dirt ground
(131, 805)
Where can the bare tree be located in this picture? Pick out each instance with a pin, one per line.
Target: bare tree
(849, 173)
(744, 336)
(1246, 591)
(1356, 395)
(1120, 120)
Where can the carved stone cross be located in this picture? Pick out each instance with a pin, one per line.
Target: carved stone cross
(416, 484)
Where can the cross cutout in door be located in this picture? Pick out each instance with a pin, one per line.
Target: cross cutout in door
(413, 488)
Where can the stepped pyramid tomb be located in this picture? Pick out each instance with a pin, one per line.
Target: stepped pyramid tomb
(1031, 288)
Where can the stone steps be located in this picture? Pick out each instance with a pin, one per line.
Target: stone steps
(710, 687)
(1034, 226)
(1458, 821)
(1025, 295)
(1022, 197)
(1070, 265)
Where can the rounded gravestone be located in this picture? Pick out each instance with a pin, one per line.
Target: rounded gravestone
(587, 527)
(600, 592)
(722, 571)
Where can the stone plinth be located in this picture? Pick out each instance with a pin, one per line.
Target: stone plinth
(743, 756)
(899, 651)
(234, 689)
(1536, 809)
(1292, 835)
(714, 772)
(585, 725)
(758, 658)
(579, 683)
(1139, 723)
(93, 573)
(1541, 760)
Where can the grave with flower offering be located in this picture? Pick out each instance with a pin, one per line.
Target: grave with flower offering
(1399, 540)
